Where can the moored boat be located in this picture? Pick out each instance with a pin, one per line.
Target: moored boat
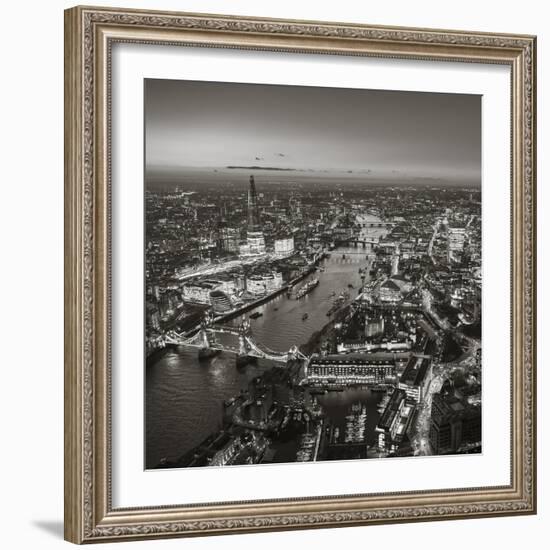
(307, 288)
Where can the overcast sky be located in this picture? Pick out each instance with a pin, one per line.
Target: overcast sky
(206, 126)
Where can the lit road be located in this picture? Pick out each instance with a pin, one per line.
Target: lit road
(432, 240)
(212, 269)
(420, 440)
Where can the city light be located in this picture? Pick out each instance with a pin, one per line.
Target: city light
(362, 325)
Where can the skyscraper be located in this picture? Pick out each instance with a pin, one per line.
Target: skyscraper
(253, 212)
(255, 241)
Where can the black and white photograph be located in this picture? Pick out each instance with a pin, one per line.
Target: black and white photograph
(312, 274)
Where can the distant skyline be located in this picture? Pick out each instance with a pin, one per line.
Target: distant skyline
(225, 130)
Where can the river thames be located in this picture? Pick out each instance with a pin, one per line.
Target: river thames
(184, 398)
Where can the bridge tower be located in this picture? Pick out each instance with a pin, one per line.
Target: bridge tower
(244, 348)
(293, 353)
(206, 351)
(203, 337)
(243, 357)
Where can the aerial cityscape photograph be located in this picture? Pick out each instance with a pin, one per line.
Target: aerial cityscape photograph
(313, 274)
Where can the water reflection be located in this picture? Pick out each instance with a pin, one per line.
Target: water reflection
(184, 397)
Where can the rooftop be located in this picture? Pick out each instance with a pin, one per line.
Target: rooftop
(348, 358)
(415, 371)
(391, 409)
(390, 285)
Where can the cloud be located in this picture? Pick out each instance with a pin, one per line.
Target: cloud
(262, 168)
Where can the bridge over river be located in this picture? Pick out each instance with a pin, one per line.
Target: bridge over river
(185, 396)
(207, 339)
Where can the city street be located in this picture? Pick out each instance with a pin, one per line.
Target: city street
(420, 440)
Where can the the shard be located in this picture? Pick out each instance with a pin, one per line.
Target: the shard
(253, 212)
(254, 236)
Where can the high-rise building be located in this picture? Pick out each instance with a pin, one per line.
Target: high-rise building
(255, 240)
(230, 239)
(284, 247)
(454, 423)
(253, 211)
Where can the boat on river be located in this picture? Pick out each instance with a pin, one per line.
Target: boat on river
(307, 288)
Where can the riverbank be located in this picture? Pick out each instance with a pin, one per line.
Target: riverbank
(184, 397)
(268, 297)
(250, 306)
(326, 335)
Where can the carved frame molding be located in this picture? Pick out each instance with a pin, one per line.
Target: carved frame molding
(89, 35)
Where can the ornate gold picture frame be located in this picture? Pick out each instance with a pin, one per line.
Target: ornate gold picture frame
(90, 34)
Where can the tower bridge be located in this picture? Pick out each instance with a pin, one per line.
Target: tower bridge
(205, 339)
